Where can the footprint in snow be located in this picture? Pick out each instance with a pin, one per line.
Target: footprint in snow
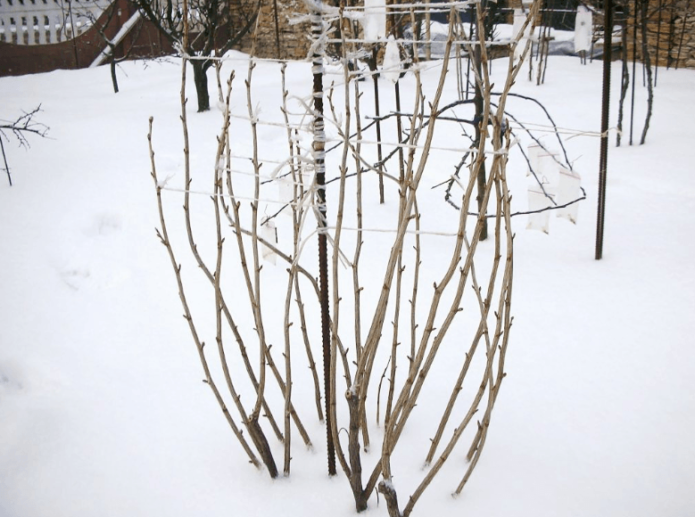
(103, 225)
(94, 262)
(75, 278)
(10, 382)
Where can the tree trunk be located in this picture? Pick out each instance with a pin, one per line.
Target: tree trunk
(386, 488)
(112, 65)
(648, 66)
(354, 451)
(625, 81)
(4, 158)
(262, 445)
(200, 79)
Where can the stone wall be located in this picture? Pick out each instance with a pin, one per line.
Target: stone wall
(674, 37)
(275, 35)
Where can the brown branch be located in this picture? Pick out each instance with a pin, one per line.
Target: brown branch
(164, 238)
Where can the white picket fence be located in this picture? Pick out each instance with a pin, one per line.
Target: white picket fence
(39, 22)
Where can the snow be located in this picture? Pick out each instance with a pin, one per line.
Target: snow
(374, 20)
(391, 67)
(583, 29)
(102, 408)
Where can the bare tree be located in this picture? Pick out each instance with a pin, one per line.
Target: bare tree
(641, 19)
(20, 128)
(625, 77)
(106, 26)
(647, 62)
(215, 27)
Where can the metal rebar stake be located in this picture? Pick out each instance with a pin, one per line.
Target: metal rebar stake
(319, 151)
(603, 160)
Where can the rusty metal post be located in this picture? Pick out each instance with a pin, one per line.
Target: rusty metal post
(479, 103)
(375, 77)
(603, 160)
(319, 151)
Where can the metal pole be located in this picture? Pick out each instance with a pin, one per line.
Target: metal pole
(603, 161)
(375, 78)
(468, 65)
(479, 103)
(319, 148)
(634, 70)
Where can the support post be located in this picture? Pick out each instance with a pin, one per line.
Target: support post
(375, 77)
(634, 66)
(319, 149)
(603, 160)
(479, 103)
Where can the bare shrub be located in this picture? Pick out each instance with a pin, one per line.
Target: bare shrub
(404, 358)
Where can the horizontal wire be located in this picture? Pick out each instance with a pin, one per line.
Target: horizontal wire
(239, 198)
(435, 7)
(242, 59)
(541, 128)
(258, 121)
(423, 42)
(574, 132)
(250, 158)
(423, 147)
(267, 179)
(285, 178)
(307, 203)
(394, 230)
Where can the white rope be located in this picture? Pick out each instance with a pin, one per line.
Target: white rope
(546, 128)
(421, 147)
(259, 122)
(394, 230)
(250, 158)
(240, 198)
(518, 125)
(439, 6)
(407, 41)
(273, 177)
(242, 59)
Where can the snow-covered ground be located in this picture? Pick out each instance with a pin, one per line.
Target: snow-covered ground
(102, 408)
